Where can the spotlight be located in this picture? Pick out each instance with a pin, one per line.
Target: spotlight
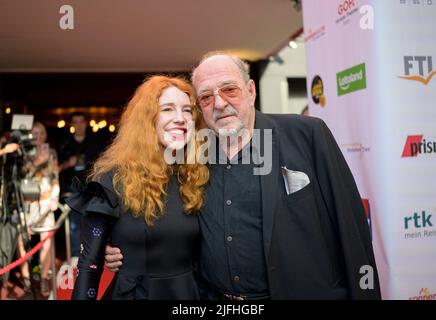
(293, 44)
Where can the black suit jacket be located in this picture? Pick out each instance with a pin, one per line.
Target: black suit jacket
(317, 239)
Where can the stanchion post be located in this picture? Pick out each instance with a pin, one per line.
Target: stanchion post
(68, 240)
(53, 267)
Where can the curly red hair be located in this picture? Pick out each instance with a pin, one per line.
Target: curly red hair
(135, 155)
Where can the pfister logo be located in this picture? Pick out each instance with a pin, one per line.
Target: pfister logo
(416, 145)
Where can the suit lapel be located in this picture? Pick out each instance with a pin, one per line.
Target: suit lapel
(269, 184)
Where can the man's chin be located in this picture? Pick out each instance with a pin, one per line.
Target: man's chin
(228, 131)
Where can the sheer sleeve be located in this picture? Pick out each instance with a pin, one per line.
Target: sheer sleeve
(97, 203)
(95, 231)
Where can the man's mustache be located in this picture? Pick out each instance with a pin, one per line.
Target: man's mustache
(217, 116)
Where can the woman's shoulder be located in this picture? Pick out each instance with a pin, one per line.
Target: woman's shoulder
(105, 184)
(97, 195)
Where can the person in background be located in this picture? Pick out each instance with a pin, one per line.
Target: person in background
(43, 169)
(76, 155)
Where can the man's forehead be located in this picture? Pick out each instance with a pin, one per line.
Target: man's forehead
(216, 70)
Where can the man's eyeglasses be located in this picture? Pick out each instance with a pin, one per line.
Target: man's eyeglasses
(227, 92)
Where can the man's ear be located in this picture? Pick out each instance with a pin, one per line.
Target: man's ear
(252, 91)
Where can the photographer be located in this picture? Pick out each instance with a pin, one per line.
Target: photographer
(43, 170)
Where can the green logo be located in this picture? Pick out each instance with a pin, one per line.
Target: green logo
(352, 79)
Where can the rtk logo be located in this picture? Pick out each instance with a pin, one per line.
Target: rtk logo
(417, 145)
(419, 221)
(422, 65)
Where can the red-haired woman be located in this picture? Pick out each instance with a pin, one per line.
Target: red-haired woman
(145, 206)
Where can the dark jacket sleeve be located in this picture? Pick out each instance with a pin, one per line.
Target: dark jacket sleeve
(344, 203)
(96, 203)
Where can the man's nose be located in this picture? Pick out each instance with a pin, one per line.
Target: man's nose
(219, 102)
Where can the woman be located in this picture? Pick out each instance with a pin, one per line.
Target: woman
(142, 204)
(43, 169)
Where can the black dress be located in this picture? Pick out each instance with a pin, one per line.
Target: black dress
(157, 260)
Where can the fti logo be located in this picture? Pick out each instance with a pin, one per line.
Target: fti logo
(416, 144)
(418, 68)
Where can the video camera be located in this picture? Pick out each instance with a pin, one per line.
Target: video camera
(16, 189)
(22, 135)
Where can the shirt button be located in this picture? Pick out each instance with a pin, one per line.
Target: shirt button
(229, 166)
(236, 278)
(229, 202)
(229, 238)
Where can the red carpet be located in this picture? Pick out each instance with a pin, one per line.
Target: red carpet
(65, 294)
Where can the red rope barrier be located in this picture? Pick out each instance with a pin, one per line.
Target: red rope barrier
(27, 255)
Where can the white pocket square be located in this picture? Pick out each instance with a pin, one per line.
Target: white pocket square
(294, 180)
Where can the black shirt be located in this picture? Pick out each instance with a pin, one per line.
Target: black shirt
(158, 260)
(86, 152)
(232, 254)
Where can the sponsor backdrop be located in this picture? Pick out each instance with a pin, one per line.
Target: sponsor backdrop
(371, 70)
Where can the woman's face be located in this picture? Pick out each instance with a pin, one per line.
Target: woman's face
(174, 124)
(39, 135)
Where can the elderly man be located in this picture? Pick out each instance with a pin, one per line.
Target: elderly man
(298, 232)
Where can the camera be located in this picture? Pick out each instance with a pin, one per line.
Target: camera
(18, 189)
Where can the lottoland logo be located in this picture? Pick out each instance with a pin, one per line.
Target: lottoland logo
(419, 225)
(351, 80)
(417, 145)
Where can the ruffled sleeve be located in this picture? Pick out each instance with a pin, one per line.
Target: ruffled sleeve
(95, 196)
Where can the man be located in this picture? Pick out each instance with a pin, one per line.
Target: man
(298, 232)
(76, 157)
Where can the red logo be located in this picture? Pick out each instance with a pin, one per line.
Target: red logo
(346, 6)
(424, 294)
(416, 144)
(367, 208)
(411, 147)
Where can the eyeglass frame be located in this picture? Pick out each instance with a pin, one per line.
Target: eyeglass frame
(217, 92)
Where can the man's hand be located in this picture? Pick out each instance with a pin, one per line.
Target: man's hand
(72, 161)
(113, 258)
